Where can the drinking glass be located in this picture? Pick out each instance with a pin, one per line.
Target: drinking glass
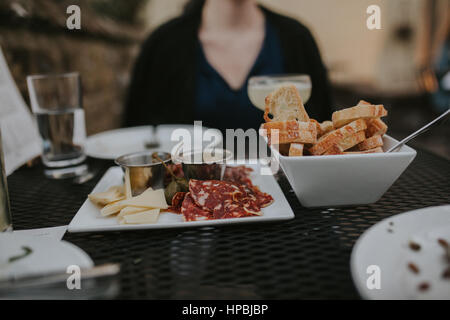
(260, 86)
(5, 213)
(56, 101)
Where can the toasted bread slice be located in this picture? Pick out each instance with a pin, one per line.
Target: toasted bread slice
(318, 128)
(346, 143)
(284, 148)
(284, 104)
(334, 150)
(363, 103)
(375, 150)
(322, 128)
(326, 127)
(375, 127)
(342, 117)
(351, 140)
(289, 125)
(291, 131)
(296, 150)
(370, 143)
(294, 136)
(334, 137)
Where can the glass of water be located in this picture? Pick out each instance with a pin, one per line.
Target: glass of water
(5, 213)
(56, 101)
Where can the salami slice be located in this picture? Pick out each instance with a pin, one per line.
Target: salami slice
(223, 199)
(255, 197)
(241, 175)
(263, 199)
(192, 212)
(177, 201)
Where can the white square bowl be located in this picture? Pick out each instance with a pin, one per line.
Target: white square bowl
(339, 180)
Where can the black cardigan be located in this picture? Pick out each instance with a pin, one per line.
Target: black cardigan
(163, 82)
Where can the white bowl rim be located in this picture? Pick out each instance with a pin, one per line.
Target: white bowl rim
(405, 150)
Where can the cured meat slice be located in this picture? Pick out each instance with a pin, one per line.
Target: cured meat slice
(238, 210)
(192, 212)
(177, 201)
(262, 199)
(223, 199)
(234, 197)
(240, 175)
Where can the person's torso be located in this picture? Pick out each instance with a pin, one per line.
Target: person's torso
(220, 106)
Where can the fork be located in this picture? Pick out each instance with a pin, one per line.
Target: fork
(153, 142)
(425, 128)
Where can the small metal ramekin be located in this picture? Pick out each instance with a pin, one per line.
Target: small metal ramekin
(144, 171)
(202, 169)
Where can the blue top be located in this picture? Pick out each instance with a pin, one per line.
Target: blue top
(220, 106)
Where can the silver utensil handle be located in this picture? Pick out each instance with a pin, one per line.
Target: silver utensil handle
(420, 131)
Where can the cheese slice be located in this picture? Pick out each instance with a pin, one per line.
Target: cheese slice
(113, 194)
(112, 208)
(149, 216)
(148, 199)
(130, 210)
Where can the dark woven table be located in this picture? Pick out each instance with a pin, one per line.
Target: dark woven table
(304, 258)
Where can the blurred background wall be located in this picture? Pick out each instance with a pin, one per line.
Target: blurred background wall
(400, 65)
(354, 54)
(34, 39)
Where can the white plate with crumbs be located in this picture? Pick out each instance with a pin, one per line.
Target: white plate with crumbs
(405, 257)
(111, 144)
(24, 255)
(89, 219)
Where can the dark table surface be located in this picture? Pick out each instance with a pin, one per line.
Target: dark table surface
(304, 258)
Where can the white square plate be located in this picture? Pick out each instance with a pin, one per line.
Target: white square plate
(88, 217)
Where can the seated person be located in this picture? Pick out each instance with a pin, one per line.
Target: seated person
(196, 66)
